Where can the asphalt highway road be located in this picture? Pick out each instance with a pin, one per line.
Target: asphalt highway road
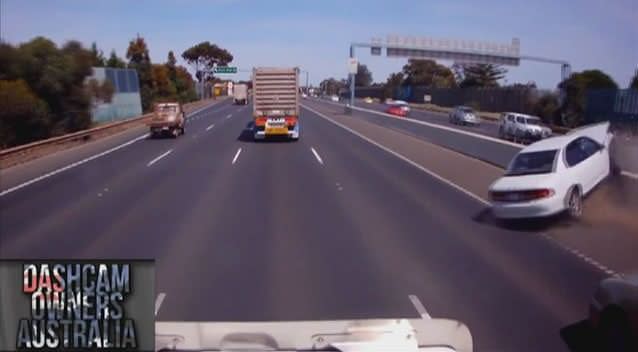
(329, 227)
(626, 147)
(487, 127)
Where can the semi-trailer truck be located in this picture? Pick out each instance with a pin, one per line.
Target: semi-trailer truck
(276, 102)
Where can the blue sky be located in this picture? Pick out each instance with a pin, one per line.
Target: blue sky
(315, 35)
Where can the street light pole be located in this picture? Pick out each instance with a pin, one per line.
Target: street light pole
(351, 76)
(306, 72)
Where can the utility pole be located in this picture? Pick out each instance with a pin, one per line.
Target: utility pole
(306, 72)
(351, 77)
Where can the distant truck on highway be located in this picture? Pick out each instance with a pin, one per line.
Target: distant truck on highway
(240, 94)
(276, 102)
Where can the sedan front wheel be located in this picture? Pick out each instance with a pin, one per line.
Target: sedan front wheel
(575, 204)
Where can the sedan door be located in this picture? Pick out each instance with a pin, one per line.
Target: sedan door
(583, 159)
(598, 159)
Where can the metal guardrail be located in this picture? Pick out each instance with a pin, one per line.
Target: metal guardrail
(26, 152)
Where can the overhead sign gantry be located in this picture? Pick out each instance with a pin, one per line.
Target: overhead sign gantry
(461, 51)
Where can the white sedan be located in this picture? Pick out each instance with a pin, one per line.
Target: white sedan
(553, 175)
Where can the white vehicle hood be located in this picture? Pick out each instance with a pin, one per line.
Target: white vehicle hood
(404, 335)
(523, 182)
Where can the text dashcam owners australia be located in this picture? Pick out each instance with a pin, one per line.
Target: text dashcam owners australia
(76, 306)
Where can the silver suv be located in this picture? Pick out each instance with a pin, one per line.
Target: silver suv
(521, 127)
(463, 115)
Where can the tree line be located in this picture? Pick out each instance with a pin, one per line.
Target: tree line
(45, 90)
(568, 111)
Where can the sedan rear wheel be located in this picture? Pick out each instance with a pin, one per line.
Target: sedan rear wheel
(575, 204)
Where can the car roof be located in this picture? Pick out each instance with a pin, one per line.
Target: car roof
(518, 114)
(463, 107)
(551, 143)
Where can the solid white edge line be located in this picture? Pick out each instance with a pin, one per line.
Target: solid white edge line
(400, 156)
(629, 174)
(419, 307)
(316, 155)
(451, 129)
(236, 155)
(70, 166)
(575, 252)
(158, 301)
(159, 157)
(209, 127)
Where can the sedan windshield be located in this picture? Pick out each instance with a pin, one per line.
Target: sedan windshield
(532, 163)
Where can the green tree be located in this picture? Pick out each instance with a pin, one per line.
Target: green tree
(163, 86)
(394, 81)
(10, 60)
(139, 59)
(184, 85)
(332, 86)
(171, 64)
(428, 73)
(547, 108)
(23, 116)
(363, 78)
(575, 89)
(204, 57)
(57, 77)
(114, 61)
(55, 84)
(634, 81)
(479, 75)
(76, 104)
(97, 56)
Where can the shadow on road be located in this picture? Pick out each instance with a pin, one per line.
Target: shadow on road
(246, 136)
(522, 225)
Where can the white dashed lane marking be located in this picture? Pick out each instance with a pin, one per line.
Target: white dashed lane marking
(236, 156)
(419, 307)
(158, 301)
(316, 155)
(159, 157)
(582, 256)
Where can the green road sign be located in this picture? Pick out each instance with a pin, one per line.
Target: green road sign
(224, 69)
